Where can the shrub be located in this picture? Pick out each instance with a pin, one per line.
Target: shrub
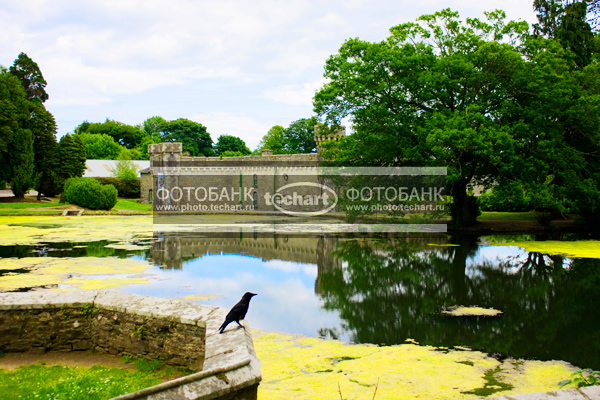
(509, 197)
(89, 193)
(126, 188)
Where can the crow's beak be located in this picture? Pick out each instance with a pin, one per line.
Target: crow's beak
(254, 294)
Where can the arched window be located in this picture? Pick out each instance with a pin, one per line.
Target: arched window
(254, 199)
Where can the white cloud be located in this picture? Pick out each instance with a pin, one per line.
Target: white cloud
(300, 94)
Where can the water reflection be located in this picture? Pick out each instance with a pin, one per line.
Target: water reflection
(385, 291)
(381, 291)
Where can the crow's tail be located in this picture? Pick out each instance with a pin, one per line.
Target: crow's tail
(222, 327)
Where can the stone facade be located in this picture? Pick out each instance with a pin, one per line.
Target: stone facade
(248, 181)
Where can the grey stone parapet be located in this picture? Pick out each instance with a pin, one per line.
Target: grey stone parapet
(585, 393)
(121, 323)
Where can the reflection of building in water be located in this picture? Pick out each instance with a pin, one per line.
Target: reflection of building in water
(170, 251)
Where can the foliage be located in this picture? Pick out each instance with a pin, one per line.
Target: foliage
(16, 141)
(61, 382)
(125, 170)
(299, 136)
(72, 156)
(580, 380)
(125, 188)
(28, 72)
(230, 153)
(505, 197)
(100, 146)
(575, 34)
(124, 134)
(46, 151)
(481, 98)
(228, 143)
(273, 140)
(154, 126)
(89, 193)
(130, 154)
(193, 136)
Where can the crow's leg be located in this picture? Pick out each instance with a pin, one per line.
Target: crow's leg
(243, 327)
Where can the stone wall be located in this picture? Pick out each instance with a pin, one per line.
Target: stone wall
(116, 322)
(107, 322)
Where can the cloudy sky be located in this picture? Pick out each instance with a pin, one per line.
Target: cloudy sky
(238, 67)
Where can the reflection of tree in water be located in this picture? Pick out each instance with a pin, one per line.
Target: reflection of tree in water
(388, 292)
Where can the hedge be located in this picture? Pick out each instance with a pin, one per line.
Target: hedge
(127, 189)
(89, 193)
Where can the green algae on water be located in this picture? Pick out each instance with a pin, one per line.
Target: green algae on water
(575, 249)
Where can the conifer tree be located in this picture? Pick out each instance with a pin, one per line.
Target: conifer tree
(46, 155)
(28, 72)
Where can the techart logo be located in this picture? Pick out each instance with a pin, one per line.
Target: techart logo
(299, 199)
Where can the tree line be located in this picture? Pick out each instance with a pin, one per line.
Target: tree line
(30, 155)
(497, 103)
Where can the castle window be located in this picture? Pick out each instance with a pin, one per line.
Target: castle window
(150, 196)
(254, 200)
(255, 180)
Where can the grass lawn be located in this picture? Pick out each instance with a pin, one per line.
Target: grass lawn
(132, 205)
(19, 206)
(61, 382)
(508, 216)
(27, 212)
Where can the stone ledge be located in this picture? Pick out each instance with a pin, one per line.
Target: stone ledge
(108, 322)
(230, 371)
(585, 393)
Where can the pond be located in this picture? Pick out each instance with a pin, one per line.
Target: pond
(360, 290)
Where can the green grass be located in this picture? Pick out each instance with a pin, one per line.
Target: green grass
(27, 212)
(132, 205)
(19, 206)
(508, 216)
(60, 382)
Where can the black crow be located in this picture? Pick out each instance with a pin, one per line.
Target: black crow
(238, 312)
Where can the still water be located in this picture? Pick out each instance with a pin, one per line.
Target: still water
(380, 291)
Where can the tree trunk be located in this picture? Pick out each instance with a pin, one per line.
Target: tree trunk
(462, 214)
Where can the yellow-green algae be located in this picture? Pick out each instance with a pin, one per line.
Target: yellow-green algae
(76, 273)
(297, 367)
(578, 249)
(19, 230)
(473, 311)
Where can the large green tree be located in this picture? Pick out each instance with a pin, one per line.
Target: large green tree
(46, 152)
(100, 146)
(126, 135)
(193, 136)
(231, 144)
(299, 136)
(28, 72)
(16, 140)
(72, 156)
(476, 97)
(273, 140)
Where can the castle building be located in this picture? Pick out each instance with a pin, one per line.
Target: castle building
(266, 182)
